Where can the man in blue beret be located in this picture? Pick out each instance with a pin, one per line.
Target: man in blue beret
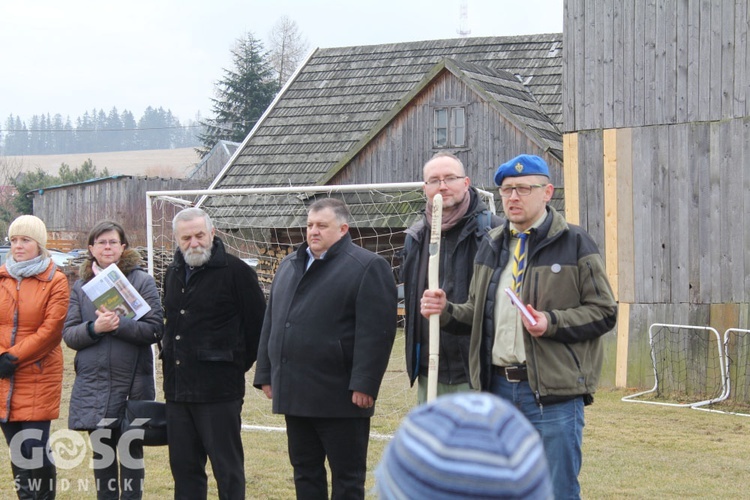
(548, 362)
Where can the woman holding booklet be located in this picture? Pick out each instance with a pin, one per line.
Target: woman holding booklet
(113, 362)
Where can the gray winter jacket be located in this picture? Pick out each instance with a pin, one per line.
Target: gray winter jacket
(112, 367)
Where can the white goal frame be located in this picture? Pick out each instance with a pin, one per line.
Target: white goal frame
(173, 196)
(727, 377)
(160, 204)
(633, 398)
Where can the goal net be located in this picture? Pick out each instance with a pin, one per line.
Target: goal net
(736, 397)
(695, 367)
(688, 364)
(263, 225)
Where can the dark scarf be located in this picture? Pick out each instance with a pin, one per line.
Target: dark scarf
(452, 218)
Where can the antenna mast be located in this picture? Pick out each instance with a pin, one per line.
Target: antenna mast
(463, 22)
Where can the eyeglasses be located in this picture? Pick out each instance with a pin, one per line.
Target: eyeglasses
(104, 243)
(449, 181)
(521, 189)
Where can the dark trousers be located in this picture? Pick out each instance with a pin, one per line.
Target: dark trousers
(110, 485)
(34, 445)
(196, 431)
(34, 474)
(343, 440)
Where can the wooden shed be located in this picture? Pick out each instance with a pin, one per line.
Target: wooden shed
(71, 210)
(376, 114)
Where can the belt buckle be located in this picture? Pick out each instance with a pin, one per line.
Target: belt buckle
(508, 371)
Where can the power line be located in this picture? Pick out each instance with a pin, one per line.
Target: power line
(100, 129)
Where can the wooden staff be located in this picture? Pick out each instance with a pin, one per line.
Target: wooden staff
(433, 283)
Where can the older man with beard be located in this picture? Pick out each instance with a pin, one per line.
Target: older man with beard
(214, 311)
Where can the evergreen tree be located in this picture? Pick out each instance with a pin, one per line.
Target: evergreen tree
(70, 137)
(48, 137)
(100, 137)
(129, 126)
(153, 129)
(84, 133)
(112, 137)
(21, 138)
(241, 96)
(58, 138)
(36, 139)
(28, 182)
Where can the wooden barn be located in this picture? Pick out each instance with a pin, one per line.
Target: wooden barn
(376, 114)
(71, 210)
(656, 123)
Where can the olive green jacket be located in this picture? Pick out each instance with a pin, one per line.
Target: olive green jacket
(566, 280)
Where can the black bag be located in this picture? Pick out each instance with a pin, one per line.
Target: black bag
(154, 428)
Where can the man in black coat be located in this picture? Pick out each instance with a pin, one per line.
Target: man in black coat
(466, 222)
(214, 307)
(326, 341)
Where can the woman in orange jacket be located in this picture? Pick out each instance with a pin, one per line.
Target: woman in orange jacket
(33, 302)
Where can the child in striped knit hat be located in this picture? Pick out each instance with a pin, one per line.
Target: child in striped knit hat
(464, 445)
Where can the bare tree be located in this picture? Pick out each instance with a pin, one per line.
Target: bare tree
(287, 47)
(10, 169)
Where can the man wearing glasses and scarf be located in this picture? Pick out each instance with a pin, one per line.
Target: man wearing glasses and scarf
(548, 366)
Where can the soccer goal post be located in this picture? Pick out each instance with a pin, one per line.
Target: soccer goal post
(263, 225)
(736, 397)
(689, 366)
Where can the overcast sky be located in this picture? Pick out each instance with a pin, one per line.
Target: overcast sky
(71, 56)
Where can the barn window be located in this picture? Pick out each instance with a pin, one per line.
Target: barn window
(449, 127)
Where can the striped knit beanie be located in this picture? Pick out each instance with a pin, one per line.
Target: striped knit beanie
(464, 445)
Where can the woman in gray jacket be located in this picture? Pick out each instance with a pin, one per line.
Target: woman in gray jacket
(113, 362)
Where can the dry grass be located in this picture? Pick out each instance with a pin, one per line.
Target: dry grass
(152, 163)
(631, 450)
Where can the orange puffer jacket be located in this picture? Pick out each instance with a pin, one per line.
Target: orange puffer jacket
(31, 322)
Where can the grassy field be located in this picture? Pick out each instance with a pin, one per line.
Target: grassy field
(155, 162)
(631, 450)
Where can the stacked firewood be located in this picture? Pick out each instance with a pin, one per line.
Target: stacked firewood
(269, 259)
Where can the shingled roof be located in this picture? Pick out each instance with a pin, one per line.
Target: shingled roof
(341, 95)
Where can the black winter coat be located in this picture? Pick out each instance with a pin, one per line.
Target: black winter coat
(457, 250)
(328, 331)
(213, 324)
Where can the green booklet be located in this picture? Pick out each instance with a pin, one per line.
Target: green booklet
(111, 289)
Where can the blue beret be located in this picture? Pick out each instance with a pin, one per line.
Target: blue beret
(519, 166)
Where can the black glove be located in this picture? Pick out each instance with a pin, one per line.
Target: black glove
(7, 365)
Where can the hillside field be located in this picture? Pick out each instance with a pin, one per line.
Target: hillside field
(151, 163)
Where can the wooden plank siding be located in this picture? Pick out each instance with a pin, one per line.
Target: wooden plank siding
(744, 208)
(70, 211)
(682, 226)
(399, 152)
(689, 205)
(623, 237)
(649, 62)
(678, 127)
